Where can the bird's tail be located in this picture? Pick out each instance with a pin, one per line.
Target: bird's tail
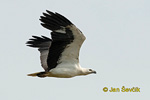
(38, 74)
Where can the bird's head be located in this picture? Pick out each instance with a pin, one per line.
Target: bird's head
(87, 71)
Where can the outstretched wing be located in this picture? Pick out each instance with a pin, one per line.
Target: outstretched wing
(42, 43)
(66, 39)
(65, 44)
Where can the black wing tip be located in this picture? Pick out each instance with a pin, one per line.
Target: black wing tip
(36, 40)
(53, 21)
(38, 37)
(50, 12)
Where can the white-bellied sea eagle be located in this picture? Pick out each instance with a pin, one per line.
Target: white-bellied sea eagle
(59, 55)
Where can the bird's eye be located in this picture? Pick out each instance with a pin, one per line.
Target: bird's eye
(90, 70)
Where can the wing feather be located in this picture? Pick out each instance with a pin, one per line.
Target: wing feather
(65, 44)
(66, 39)
(42, 43)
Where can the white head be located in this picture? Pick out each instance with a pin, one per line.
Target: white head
(86, 71)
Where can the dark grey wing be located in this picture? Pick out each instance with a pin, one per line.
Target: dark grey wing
(62, 36)
(54, 21)
(42, 43)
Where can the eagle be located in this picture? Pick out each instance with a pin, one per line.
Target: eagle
(59, 55)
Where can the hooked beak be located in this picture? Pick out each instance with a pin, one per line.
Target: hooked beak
(94, 72)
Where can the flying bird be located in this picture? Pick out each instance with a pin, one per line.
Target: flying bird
(59, 55)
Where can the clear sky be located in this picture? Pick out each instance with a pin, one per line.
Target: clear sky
(117, 46)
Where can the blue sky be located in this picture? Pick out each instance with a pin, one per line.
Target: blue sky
(116, 46)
